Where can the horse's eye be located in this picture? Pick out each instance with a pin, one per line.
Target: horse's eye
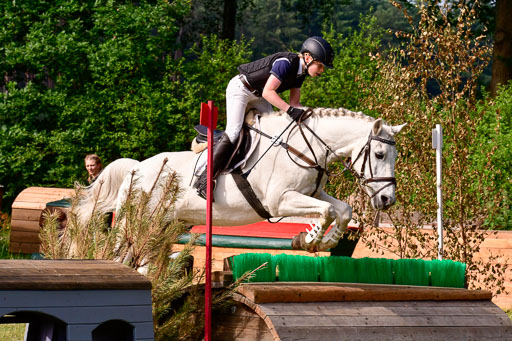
(379, 155)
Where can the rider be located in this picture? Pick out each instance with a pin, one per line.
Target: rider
(258, 85)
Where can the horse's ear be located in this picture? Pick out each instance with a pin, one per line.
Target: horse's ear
(377, 127)
(396, 129)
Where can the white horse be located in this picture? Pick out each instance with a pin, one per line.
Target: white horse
(283, 187)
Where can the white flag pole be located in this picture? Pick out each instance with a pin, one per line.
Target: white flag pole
(437, 144)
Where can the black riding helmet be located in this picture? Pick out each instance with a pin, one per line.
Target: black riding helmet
(319, 49)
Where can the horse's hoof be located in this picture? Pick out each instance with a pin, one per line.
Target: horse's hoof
(312, 248)
(299, 241)
(296, 244)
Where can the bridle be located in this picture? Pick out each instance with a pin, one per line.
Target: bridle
(365, 152)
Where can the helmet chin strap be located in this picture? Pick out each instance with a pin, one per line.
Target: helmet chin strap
(308, 64)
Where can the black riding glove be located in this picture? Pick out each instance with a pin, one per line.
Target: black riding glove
(295, 113)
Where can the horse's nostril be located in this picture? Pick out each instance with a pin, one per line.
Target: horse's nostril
(385, 199)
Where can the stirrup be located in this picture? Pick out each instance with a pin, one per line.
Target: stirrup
(201, 186)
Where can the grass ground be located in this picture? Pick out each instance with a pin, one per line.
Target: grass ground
(12, 332)
(4, 246)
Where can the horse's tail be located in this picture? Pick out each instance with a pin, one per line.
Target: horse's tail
(101, 196)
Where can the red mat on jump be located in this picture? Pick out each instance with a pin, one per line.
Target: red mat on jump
(262, 229)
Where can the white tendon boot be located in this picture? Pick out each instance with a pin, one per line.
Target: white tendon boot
(331, 238)
(313, 234)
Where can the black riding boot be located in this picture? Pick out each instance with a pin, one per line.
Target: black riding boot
(222, 151)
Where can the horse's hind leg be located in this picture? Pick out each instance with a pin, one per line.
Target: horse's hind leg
(297, 204)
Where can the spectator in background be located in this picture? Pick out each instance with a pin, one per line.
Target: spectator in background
(93, 166)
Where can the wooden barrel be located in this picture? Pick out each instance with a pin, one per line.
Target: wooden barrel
(342, 311)
(26, 212)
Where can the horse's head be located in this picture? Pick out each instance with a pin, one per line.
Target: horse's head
(374, 162)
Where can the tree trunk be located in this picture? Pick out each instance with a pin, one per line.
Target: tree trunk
(229, 20)
(502, 51)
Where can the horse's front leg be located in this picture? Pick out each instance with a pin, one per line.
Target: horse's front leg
(293, 203)
(343, 217)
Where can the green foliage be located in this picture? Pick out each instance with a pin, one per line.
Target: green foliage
(100, 77)
(348, 82)
(282, 25)
(274, 27)
(210, 66)
(494, 145)
(5, 230)
(440, 52)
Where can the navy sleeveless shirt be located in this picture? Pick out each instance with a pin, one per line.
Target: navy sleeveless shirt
(283, 65)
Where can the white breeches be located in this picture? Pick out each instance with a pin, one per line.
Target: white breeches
(238, 99)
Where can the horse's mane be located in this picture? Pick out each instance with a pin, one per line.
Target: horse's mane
(329, 112)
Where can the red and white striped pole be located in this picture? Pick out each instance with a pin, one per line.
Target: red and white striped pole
(209, 119)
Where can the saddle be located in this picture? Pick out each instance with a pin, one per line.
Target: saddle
(202, 134)
(241, 153)
(242, 146)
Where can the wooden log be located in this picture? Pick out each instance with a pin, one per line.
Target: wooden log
(25, 237)
(25, 225)
(378, 320)
(69, 275)
(221, 279)
(331, 292)
(29, 205)
(17, 247)
(26, 214)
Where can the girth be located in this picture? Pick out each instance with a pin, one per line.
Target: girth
(245, 187)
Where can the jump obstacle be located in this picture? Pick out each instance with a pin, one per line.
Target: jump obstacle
(26, 215)
(76, 300)
(68, 299)
(333, 311)
(285, 310)
(263, 237)
(369, 312)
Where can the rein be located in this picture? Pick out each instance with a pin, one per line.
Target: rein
(365, 152)
(276, 141)
(366, 149)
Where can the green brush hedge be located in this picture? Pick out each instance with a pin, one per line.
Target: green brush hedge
(292, 268)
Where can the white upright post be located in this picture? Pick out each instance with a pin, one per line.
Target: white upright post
(437, 144)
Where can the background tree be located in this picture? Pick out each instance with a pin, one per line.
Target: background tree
(448, 53)
(502, 51)
(99, 76)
